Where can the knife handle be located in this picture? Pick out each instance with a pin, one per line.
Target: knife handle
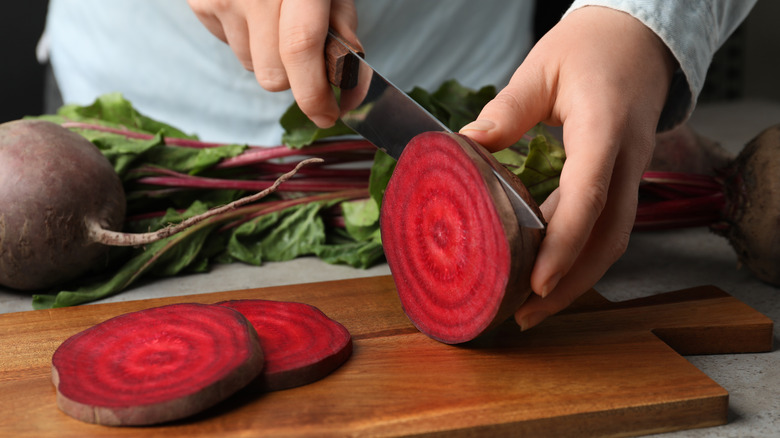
(340, 63)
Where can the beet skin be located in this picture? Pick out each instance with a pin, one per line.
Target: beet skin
(52, 181)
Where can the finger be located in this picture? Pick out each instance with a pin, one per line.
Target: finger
(582, 194)
(263, 23)
(301, 46)
(524, 102)
(224, 23)
(549, 205)
(236, 33)
(609, 240)
(344, 20)
(207, 18)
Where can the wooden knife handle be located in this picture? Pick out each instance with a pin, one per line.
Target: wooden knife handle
(341, 65)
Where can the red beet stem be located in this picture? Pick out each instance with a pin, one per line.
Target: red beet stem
(174, 141)
(299, 185)
(258, 155)
(251, 212)
(678, 213)
(255, 153)
(107, 237)
(677, 200)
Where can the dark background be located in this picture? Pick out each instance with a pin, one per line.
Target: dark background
(21, 77)
(746, 66)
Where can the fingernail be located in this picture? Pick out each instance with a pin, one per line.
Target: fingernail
(532, 319)
(550, 285)
(479, 125)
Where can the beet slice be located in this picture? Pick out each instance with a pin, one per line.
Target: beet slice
(155, 365)
(460, 261)
(301, 344)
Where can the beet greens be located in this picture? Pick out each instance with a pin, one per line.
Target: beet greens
(330, 210)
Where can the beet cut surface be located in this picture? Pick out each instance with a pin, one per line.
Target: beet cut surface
(300, 343)
(155, 365)
(459, 258)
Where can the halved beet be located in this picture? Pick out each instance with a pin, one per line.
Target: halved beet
(459, 259)
(155, 365)
(301, 344)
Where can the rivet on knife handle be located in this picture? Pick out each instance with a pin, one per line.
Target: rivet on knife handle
(341, 65)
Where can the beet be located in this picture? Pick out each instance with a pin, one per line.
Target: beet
(739, 200)
(63, 205)
(751, 219)
(52, 182)
(155, 365)
(682, 149)
(300, 343)
(460, 261)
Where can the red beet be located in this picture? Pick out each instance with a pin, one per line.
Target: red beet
(301, 344)
(62, 205)
(751, 219)
(155, 365)
(684, 150)
(52, 183)
(739, 200)
(459, 259)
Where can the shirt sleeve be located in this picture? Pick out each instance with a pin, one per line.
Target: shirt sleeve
(693, 30)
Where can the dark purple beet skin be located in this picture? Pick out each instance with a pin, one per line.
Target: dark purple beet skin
(52, 181)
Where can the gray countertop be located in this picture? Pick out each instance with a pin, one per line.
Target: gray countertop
(655, 262)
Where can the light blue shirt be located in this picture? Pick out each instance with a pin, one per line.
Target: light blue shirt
(163, 59)
(170, 67)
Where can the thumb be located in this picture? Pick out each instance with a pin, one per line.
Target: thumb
(514, 111)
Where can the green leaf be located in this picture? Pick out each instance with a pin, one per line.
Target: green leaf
(114, 109)
(362, 219)
(537, 162)
(356, 254)
(381, 170)
(191, 160)
(122, 152)
(299, 131)
(278, 236)
(454, 104)
(542, 168)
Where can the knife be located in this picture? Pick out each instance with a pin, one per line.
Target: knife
(387, 117)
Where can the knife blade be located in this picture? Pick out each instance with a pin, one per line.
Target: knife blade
(387, 117)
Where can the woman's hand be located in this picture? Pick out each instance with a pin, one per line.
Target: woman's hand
(282, 42)
(604, 76)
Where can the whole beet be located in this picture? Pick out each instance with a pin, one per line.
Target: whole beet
(52, 183)
(752, 215)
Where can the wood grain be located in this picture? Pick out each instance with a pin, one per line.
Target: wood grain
(598, 369)
(341, 66)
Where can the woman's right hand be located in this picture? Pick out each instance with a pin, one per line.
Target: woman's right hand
(282, 42)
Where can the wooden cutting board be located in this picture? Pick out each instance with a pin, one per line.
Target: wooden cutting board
(600, 368)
